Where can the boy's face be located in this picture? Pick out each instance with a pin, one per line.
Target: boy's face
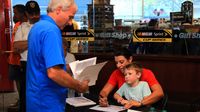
(131, 76)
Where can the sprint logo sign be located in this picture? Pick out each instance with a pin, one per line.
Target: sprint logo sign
(152, 36)
(78, 35)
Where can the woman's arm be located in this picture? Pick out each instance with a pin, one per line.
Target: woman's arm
(156, 95)
(104, 94)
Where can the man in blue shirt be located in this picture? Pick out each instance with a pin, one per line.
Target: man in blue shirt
(47, 78)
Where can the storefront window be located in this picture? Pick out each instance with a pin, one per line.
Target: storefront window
(114, 23)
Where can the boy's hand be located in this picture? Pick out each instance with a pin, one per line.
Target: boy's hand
(124, 102)
(131, 103)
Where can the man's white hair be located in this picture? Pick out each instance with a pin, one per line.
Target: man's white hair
(65, 4)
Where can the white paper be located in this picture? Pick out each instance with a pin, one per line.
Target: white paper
(79, 101)
(73, 66)
(110, 108)
(78, 66)
(129, 110)
(86, 70)
(91, 73)
(81, 65)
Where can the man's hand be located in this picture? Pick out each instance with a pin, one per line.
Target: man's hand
(83, 86)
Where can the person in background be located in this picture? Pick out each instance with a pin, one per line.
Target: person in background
(154, 47)
(72, 26)
(134, 89)
(147, 47)
(122, 58)
(14, 57)
(47, 79)
(21, 45)
(69, 57)
(153, 24)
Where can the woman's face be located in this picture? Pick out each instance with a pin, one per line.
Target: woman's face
(121, 62)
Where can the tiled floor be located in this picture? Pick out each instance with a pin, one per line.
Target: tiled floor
(6, 99)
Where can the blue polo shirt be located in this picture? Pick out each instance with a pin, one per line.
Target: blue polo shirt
(44, 51)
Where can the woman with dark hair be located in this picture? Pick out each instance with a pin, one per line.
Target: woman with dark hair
(123, 58)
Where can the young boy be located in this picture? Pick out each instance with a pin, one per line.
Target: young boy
(133, 90)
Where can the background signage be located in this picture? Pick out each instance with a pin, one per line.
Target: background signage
(177, 17)
(78, 35)
(152, 36)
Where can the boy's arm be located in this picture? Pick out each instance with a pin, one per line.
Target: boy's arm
(118, 98)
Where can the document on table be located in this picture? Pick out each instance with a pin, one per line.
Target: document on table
(129, 110)
(110, 108)
(79, 101)
(86, 69)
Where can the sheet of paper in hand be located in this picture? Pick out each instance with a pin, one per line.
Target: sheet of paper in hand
(86, 69)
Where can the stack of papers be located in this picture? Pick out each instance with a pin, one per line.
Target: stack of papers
(78, 66)
(79, 101)
(86, 70)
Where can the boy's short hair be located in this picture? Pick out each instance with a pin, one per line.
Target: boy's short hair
(135, 65)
